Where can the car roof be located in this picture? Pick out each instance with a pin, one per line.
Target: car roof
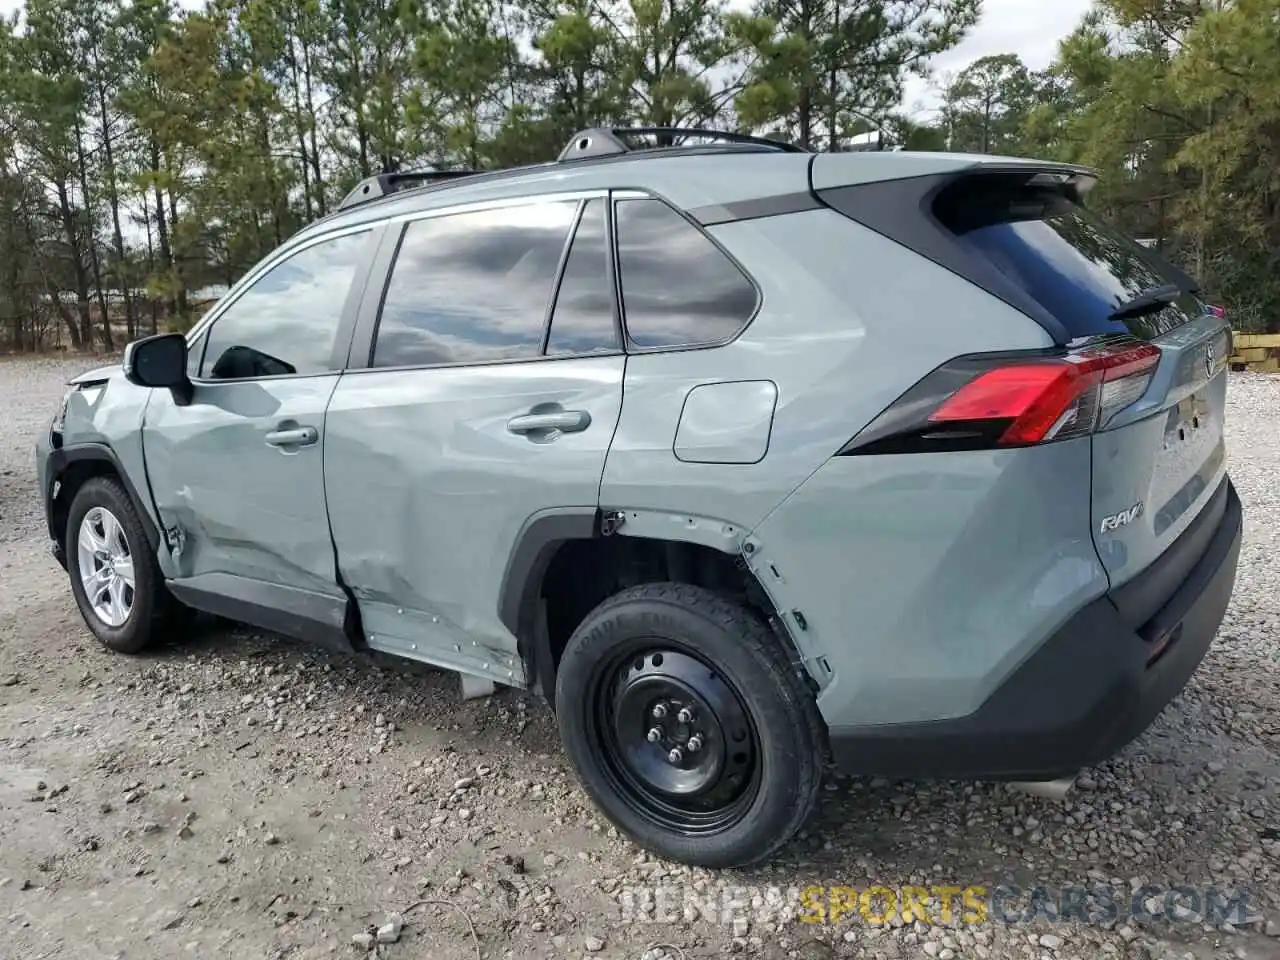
(745, 168)
(686, 178)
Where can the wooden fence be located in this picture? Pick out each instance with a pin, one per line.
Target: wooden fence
(1258, 352)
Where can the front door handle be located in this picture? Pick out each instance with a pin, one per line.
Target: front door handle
(293, 437)
(559, 421)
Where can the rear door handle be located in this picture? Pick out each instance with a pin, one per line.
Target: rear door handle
(562, 421)
(293, 437)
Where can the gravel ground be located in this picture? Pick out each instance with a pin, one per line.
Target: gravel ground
(30, 391)
(232, 795)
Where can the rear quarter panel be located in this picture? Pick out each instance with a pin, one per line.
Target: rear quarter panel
(919, 580)
(847, 321)
(927, 579)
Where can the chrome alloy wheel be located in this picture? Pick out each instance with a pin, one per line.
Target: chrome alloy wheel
(105, 566)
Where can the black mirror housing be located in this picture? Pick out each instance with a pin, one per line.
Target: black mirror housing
(160, 361)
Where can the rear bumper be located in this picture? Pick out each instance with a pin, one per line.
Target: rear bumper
(1091, 688)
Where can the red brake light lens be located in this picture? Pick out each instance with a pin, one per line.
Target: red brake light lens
(1053, 399)
(985, 402)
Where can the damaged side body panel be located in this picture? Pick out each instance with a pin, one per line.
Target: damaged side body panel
(429, 492)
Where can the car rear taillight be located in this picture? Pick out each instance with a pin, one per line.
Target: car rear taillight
(1215, 311)
(981, 403)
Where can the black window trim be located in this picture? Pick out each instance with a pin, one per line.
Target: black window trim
(611, 273)
(632, 348)
(554, 295)
(360, 359)
(203, 340)
(347, 317)
(902, 211)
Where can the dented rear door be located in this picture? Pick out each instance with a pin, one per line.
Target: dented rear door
(485, 400)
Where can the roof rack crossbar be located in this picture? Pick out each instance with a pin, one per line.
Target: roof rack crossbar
(610, 141)
(379, 185)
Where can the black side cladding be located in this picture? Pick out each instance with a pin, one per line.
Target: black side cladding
(62, 460)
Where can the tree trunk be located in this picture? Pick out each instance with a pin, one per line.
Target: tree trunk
(91, 239)
(804, 117)
(183, 305)
(362, 135)
(362, 128)
(833, 87)
(986, 123)
(304, 161)
(84, 336)
(15, 318)
(316, 178)
(162, 230)
(152, 305)
(804, 104)
(113, 199)
(273, 191)
(77, 337)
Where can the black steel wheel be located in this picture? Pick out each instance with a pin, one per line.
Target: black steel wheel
(677, 739)
(688, 727)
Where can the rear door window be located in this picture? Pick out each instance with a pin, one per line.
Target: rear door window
(678, 288)
(1066, 257)
(473, 287)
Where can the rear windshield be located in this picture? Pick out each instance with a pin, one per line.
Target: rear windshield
(1069, 260)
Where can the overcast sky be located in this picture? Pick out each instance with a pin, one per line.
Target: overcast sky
(1029, 28)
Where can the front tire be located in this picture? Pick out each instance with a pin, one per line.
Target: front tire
(688, 727)
(114, 574)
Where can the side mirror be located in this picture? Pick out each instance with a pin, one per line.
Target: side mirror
(160, 361)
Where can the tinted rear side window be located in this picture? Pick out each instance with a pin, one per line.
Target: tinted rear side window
(678, 288)
(1066, 257)
(473, 287)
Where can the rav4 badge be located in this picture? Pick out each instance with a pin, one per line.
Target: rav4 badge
(1121, 519)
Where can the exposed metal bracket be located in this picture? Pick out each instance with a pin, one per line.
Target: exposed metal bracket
(611, 521)
(475, 687)
(175, 539)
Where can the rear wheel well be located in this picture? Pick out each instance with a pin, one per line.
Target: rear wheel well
(582, 573)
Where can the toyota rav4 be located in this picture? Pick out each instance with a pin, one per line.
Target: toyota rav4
(752, 461)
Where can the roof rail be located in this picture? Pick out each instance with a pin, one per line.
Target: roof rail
(589, 143)
(371, 188)
(610, 141)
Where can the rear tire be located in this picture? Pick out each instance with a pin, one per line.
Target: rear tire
(657, 666)
(115, 578)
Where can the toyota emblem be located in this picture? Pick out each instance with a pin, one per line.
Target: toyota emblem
(1209, 360)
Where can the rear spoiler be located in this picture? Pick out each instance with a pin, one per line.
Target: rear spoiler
(831, 170)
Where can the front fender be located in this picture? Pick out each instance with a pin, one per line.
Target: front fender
(78, 462)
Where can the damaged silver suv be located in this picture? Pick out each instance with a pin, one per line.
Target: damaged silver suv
(750, 460)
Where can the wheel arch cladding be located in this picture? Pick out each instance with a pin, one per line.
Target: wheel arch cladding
(70, 467)
(518, 599)
(568, 561)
